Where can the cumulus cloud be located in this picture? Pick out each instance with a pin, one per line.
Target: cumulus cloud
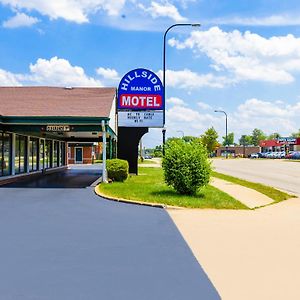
(110, 75)
(20, 20)
(187, 79)
(273, 20)
(70, 10)
(53, 72)
(203, 105)
(8, 79)
(247, 56)
(176, 101)
(167, 9)
(270, 116)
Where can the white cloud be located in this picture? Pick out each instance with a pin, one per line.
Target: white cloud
(53, 72)
(270, 116)
(273, 20)
(187, 79)
(110, 75)
(8, 79)
(70, 10)
(203, 105)
(20, 20)
(247, 56)
(167, 9)
(176, 101)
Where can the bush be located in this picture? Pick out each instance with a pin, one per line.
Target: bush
(186, 166)
(117, 169)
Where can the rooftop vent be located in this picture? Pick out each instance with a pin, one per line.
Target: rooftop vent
(68, 88)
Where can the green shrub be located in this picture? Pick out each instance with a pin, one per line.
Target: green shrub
(117, 169)
(186, 166)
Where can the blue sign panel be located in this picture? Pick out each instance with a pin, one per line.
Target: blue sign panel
(140, 89)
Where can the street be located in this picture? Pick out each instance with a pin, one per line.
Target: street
(281, 174)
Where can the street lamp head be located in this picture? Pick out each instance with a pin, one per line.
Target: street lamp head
(196, 24)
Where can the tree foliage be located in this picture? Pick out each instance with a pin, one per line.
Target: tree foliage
(210, 139)
(245, 140)
(186, 166)
(229, 140)
(257, 136)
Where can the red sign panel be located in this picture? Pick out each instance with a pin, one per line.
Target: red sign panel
(142, 101)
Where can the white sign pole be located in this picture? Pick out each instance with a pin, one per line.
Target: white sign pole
(104, 173)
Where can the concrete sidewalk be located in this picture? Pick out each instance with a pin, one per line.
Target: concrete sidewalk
(249, 197)
(247, 254)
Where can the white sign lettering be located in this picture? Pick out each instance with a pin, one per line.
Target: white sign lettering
(140, 118)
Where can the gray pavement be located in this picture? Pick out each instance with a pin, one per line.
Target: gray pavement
(59, 243)
(76, 176)
(278, 173)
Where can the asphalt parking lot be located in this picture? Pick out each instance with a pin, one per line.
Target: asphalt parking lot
(282, 174)
(76, 176)
(67, 243)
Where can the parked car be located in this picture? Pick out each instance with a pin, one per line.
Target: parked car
(296, 155)
(254, 155)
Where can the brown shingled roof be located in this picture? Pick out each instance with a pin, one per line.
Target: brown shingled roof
(56, 101)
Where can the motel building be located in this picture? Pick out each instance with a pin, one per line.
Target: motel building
(43, 129)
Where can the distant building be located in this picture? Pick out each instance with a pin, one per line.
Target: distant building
(280, 144)
(237, 151)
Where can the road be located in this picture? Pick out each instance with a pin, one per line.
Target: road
(67, 243)
(282, 174)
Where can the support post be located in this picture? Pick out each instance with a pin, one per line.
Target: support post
(104, 173)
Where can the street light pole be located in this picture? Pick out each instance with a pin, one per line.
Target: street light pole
(226, 145)
(164, 71)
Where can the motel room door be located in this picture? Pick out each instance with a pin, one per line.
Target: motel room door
(78, 155)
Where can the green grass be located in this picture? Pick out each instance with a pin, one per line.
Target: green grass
(149, 186)
(269, 191)
(147, 161)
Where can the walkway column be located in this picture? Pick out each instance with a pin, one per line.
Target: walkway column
(13, 153)
(104, 173)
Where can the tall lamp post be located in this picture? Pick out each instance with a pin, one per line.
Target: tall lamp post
(164, 72)
(222, 111)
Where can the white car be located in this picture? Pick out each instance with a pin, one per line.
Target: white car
(254, 155)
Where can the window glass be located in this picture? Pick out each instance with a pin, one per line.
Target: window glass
(6, 148)
(48, 154)
(42, 145)
(1, 154)
(55, 154)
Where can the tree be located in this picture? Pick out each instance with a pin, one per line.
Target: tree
(157, 151)
(245, 140)
(210, 139)
(296, 134)
(230, 139)
(257, 136)
(189, 138)
(274, 136)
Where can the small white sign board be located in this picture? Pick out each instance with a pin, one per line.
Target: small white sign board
(140, 118)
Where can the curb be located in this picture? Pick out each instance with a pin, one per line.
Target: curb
(133, 202)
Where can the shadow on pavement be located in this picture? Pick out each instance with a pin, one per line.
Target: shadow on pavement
(74, 177)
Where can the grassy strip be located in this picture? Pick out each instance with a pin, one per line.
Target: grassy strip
(147, 161)
(269, 191)
(149, 187)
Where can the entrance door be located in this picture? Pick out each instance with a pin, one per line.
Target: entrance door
(78, 155)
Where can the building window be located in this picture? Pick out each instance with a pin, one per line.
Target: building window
(42, 154)
(62, 154)
(33, 154)
(5, 150)
(48, 154)
(20, 154)
(56, 154)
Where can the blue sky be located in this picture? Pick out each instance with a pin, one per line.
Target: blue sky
(244, 59)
